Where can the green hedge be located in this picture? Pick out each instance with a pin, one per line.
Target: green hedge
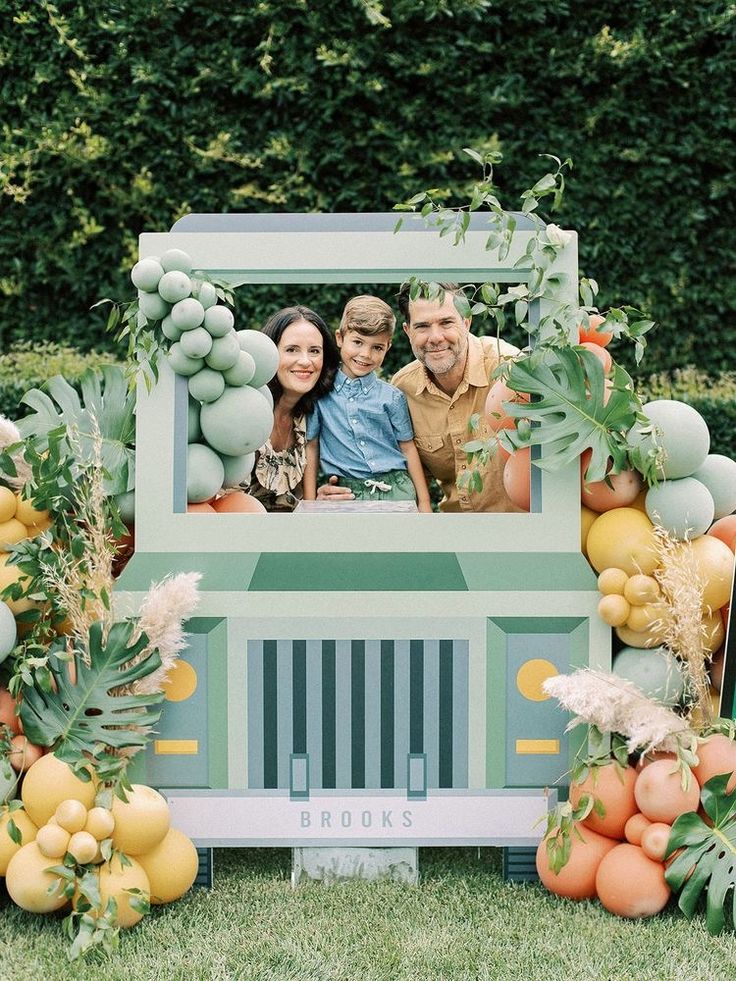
(27, 366)
(120, 118)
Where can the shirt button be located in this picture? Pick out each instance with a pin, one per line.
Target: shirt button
(362, 442)
(351, 399)
(354, 421)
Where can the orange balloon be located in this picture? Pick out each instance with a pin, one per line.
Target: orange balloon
(495, 413)
(7, 711)
(725, 529)
(601, 353)
(635, 828)
(614, 788)
(629, 883)
(598, 496)
(202, 508)
(23, 754)
(517, 478)
(592, 335)
(240, 502)
(576, 879)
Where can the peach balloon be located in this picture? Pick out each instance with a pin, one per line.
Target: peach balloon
(725, 529)
(23, 753)
(239, 502)
(576, 879)
(635, 828)
(598, 496)
(717, 754)
(631, 884)
(655, 839)
(517, 478)
(659, 794)
(614, 788)
(601, 353)
(7, 711)
(716, 669)
(495, 413)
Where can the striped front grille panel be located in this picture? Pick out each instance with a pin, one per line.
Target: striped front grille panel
(357, 709)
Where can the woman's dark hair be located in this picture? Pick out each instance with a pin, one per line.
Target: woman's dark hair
(275, 327)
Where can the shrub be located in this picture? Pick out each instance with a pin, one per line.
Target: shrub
(27, 366)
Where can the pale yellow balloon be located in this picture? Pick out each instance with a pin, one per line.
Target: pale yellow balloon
(587, 517)
(622, 538)
(714, 561)
(612, 581)
(640, 590)
(715, 632)
(651, 637)
(12, 532)
(26, 513)
(614, 610)
(641, 617)
(8, 502)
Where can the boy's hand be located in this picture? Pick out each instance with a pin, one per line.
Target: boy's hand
(333, 492)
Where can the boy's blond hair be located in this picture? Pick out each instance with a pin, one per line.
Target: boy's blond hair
(367, 315)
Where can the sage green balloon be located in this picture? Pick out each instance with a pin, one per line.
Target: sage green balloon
(146, 274)
(683, 507)
(263, 351)
(152, 305)
(196, 343)
(187, 314)
(176, 259)
(266, 393)
(180, 363)
(656, 672)
(718, 473)
(194, 430)
(219, 320)
(205, 292)
(237, 468)
(682, 433)
(174, 286)
(238, 422)
(207, 385)
(170, 329)
(8, 631)
(126, 506)
(224, 353)
(205, 473)
(242, 371)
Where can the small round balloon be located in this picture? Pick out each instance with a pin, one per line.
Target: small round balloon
(238, 422)
(263, 351)
(176, 259)
(682, 507)
(718, 473)
(683, 435)
(205, 473)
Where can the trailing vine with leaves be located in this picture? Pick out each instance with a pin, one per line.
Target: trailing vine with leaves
(572, 407)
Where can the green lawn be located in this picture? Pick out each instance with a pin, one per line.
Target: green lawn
(462, 922)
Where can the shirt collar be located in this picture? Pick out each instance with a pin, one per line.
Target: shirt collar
(365, 384)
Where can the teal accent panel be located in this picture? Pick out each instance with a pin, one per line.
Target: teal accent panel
(217, 764)
(527, 571)
(357, 571)
(221, 571)
(187, 719)
(255, 714)
(495, 706)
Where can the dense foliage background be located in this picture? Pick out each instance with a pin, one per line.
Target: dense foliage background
(121, 117)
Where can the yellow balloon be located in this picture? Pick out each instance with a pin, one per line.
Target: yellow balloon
(640, 590)
(26, 513)
(612, 581)
(12, 532)
(714, 560)
(622, 538)
(642, 616)
(587, 517)
(8, 502)
(614, 610)
(651, 637)
(715, 632)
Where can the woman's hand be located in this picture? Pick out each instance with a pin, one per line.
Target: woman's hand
(331, 491)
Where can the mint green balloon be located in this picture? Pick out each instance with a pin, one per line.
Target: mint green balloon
(146, 274)
(187, 314)
(176, 259)
(219, 320)
(207, 385)
(718, 473)
(242, 371)
(152, 305)
(205, 292)
(194, 431)
(263, 351)
(205, 473)
(8, 631)
(180, 363)
(225, 352)
(237, 468)
(684, 436)
(238, 422)
(126, 506)
(175, 286)
(266, 393)
(196, 343)
(683, 507)
(170, 329)
(656, 672)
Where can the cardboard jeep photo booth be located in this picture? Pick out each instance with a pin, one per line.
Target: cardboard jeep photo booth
(360, 679)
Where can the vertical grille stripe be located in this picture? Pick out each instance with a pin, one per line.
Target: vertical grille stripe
(416, 697)
(299, 704)
(328, 714)
(357, 714)
(270, 716)
(387, 713)
(446, 719)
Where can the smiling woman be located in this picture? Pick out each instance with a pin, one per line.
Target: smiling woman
(308, 360)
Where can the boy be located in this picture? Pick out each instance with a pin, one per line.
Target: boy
(361, 430)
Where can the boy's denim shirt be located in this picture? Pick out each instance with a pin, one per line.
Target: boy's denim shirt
(360, 424)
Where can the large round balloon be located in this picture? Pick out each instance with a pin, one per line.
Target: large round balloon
(263, 351)
(237, 468)
(8, 632)
(718, 473)
(725, 529)
(656, 672)
(623, 539)
(619, 490)
(714, 561)
(683, 507)
(517, 478)
(682, 433)
(205, 473)
(238, 422)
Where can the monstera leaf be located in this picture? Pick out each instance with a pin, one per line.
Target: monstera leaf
(707, 862)
(106, 404)
(568, 414)
(79, 718)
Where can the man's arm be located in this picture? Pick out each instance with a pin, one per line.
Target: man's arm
(416, 472)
